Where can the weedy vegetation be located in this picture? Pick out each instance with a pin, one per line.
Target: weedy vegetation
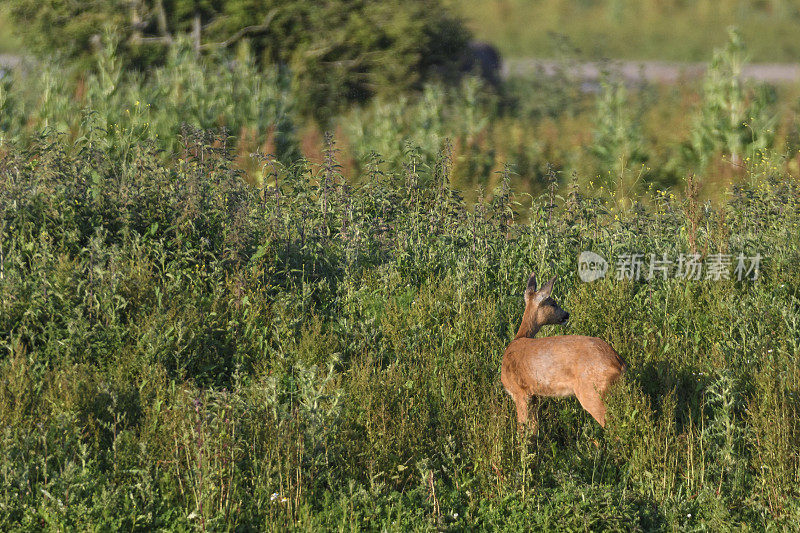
(213, 317)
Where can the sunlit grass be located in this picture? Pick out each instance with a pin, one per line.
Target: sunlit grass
(621, 29)
(9, 43)
(181, 348)
(213, 318)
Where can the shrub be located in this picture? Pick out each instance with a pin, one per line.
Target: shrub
(338, 52)
(179, 347)
(732, 121)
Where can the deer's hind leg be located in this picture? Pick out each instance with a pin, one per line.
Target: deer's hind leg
(592, 401)
(524, 418)
(521, 402)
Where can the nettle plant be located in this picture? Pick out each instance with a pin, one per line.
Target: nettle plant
(617, 141)
(127, 108)
(618, 135)
(733, 121)
(424, 123)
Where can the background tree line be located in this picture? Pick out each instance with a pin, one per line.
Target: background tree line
(338, 51)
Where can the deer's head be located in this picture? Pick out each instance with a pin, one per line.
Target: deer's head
(540, 308)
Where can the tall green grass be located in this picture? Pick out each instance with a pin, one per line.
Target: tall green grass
(124, 108)
(208, 321)
(182, 350)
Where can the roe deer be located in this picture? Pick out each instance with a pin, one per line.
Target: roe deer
(565, 365)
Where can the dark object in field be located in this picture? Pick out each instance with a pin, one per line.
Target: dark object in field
(482, 59)
(565, 365)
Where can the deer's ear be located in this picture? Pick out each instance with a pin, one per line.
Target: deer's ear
(530, 290)
(546, 289)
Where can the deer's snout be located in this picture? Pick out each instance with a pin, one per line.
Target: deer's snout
(566, 319)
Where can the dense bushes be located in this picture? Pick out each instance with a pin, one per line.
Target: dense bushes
(202, 328)
(337, 51)
(543, 127)
(181, 349)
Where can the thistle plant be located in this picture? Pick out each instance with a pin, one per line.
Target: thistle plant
(732, 120)
(617, 141)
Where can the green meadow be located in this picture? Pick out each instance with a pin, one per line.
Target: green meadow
(667, 30)
(220, 313)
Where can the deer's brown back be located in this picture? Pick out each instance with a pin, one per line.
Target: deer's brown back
(555, 366)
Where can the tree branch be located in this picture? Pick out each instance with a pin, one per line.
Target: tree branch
(162, 20)
(244, 31)
(196, 32)
(166, 40)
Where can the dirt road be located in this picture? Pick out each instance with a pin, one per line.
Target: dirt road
(633, 71)
(653, 71)
(9, 61)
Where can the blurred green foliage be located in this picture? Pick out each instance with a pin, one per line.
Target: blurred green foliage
(337, 52)
(256, 106)
(669, 30)
(543, 127)
(732, 122)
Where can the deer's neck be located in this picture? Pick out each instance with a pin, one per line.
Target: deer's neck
(529, 326)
